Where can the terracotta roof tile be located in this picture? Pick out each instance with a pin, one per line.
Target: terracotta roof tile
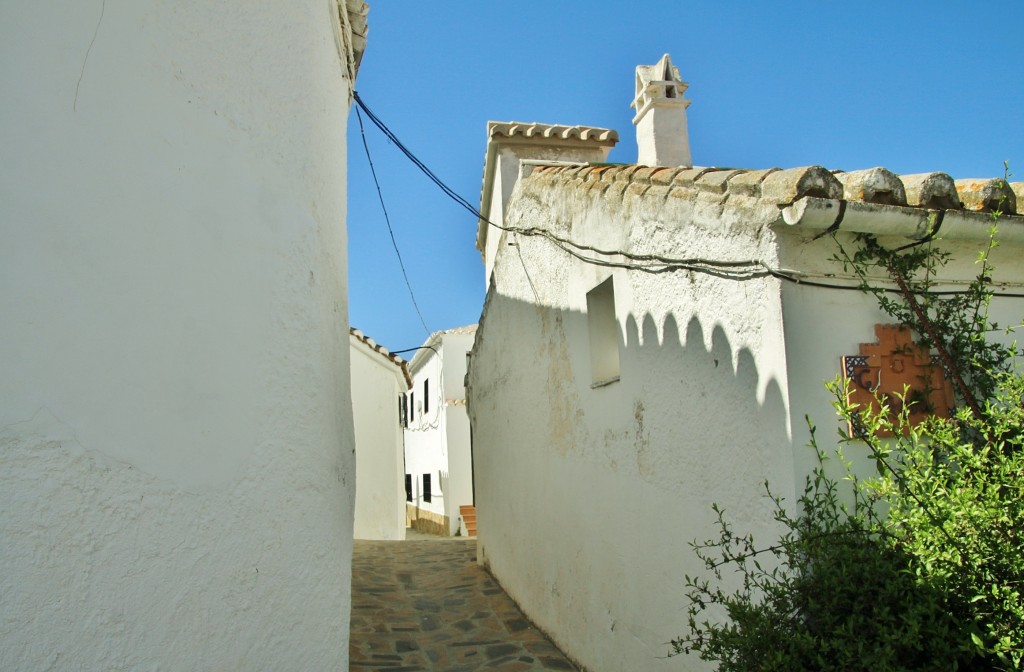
(935, 191)
(1018, 190)
(875, 190)
(987, 195)
(383, 352)
(717, 180)
(664, 176)
(786, 186)
(510, 129)
(874, 185)
(749, 182)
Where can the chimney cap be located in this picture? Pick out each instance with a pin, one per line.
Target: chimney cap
(658, 84)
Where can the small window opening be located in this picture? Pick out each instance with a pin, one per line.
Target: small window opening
(604, 334)
(426, 395)
(670, 89)
(412, 406)
(408, 487)
(426, 487)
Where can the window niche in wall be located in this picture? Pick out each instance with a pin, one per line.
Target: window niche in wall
(604, 334)
(426, 488)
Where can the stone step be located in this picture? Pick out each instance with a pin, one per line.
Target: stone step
(468, 514)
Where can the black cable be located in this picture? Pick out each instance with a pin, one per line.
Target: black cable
(421, 347)
(412, 157)
(388, 221)
(733, 270)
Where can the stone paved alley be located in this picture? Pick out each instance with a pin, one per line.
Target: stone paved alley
(426, 605)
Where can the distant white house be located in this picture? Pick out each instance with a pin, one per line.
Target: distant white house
(379, 378)
(652, 338)
(438, 454)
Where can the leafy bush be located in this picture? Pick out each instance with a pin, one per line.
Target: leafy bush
(957, 510)
(925, 570)
(837, 592)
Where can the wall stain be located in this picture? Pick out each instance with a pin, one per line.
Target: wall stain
(642, 441)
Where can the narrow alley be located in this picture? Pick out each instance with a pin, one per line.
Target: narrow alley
(424, 604)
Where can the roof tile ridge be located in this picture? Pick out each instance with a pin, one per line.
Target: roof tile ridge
(629, 172)
(932, 191)
(535, 129)
(716, 180)
(640, 180)
(376, 347)
(783, 187)
(873, 185)
(587, 173)
(1018, 190)
(618, 179)
(663, 175)
(987, 195)
(748, 183)
(546, 174)
(574, 172)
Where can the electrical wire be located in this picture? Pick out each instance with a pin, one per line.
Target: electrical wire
(648, 263)
(451, 193)
(387, 219)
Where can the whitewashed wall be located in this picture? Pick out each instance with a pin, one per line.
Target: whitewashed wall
(178, 475)
(425, 447)
(587, 498)
(377, 385)
(459, 488)
(437, 442)
(589, 495)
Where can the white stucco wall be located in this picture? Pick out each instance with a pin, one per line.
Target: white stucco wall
(425, 446)
(377, 384)
(588, 496)
(178, 458)
(437, 442)
(506, 155)
(457, 431)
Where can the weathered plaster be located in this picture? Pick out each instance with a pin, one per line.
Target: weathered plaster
(589, 496)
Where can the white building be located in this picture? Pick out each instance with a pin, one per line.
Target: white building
(651, 340)
(379, 378)
(178, 474)
(438, 453)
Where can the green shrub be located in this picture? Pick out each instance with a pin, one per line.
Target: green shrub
(925, 570)
(837, 592)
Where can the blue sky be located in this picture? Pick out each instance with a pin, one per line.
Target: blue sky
(912, 86)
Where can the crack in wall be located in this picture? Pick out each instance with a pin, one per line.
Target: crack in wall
(95, 32)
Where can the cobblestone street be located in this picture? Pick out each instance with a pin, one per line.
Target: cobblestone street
(426, 605)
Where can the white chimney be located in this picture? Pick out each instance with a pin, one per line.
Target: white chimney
(661, 135)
